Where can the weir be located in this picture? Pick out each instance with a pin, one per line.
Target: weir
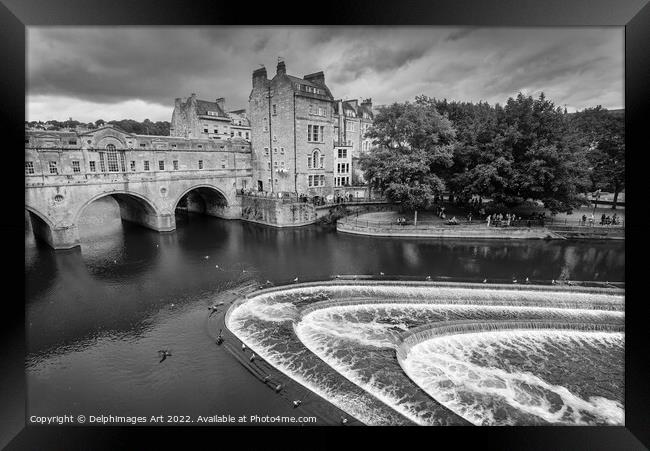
(288, 326)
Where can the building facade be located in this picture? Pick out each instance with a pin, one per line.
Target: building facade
(303, 140)
(195, 118)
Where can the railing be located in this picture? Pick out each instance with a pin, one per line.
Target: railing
(409, 224)
(342, 143)
(287, 197)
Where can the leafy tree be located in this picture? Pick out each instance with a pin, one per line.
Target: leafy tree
(413, 143)
(604, 132)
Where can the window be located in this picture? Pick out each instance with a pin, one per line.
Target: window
(309, 160)
(322, 180)
(72, 141)
(275, 109)
(132, 166)
(320, 112)
(239, 134)
(53, 167)
(282, 164)
(111, 158)
(200, 146)
(75, 166)
(315, 133)
(311, 109)
(175, 163)
(143, 145)
(223, 163)
(93, 166)
(266, 151)
(173, 146)
(232, 134)
(343, 153)
(146, 165)
(281, 150)
(311, 180)
(29, 167)
(161, 165)
(317, 160)
(268, 165)
(275, 164)
(200, 164)
(275, 150)
(246, 135)
(205, 130)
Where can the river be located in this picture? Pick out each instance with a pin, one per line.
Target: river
(97, 315)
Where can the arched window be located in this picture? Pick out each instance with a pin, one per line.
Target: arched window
(111, 158)
(316, 159)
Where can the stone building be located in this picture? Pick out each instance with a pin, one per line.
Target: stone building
(351, 122)
(196, 118)
(304, 141)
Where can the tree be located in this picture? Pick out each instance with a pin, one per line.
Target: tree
(413, 143)
(527, 149)
(604, 132)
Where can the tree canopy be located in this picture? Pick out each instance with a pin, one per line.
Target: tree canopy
(525, 149)
(415, 145)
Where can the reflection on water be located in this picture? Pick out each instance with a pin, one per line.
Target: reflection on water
(97, 315)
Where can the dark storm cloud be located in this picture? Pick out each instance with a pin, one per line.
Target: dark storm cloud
(84, 71)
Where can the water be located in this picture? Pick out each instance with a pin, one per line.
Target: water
(96, 317)
(355, 332)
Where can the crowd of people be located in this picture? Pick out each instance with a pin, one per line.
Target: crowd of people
(604, 219)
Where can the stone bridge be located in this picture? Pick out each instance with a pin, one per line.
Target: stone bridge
(149, 177)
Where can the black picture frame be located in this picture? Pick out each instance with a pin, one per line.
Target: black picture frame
(634, 15)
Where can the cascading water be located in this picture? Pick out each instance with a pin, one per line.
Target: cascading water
(340, 341)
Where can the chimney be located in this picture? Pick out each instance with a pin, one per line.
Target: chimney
(259, 77)
(367, 103)
(317, 77)
(221, 101)
(282, 68)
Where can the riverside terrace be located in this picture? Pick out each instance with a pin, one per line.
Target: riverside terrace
(386, 224)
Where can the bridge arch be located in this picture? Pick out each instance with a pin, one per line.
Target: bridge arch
(203, 198)
(134, 207)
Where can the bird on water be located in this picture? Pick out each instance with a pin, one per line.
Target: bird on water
(164, 353)
(428, 278)
(296, 403)
(243, 347)
(295, 280)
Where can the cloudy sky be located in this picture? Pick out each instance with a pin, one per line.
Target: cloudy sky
(89, 73)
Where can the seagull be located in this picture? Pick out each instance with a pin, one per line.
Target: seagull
(206, 257)
(278, 388)
(216, 266)
(527, 281)
(157, 245)
(243, 347)
(295, 280)
(164, 353)
(220, 337)
(428, 278)
(296, 403)
(114, 261)
(514, 280)
(266, 378)
(344, 420)
(553, 282)
(252, 357)
(484, 280)
(268, 282)
(338, 276)
(381, 273)
(243, 271)
(213, 309)
(172, 305)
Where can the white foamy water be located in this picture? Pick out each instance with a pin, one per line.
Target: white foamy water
(355, 330)
(504, 377)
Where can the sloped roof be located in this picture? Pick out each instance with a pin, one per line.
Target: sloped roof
(203, 106)
(302, 81)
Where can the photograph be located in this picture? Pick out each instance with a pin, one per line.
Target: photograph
(325, 225)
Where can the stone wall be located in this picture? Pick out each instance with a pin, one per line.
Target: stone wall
(276, 213)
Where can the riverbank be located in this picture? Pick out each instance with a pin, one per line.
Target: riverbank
(384, 224)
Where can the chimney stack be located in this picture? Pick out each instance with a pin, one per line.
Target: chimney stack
(367, 103)
(282, 68)
(259, 76)
(221, 101)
